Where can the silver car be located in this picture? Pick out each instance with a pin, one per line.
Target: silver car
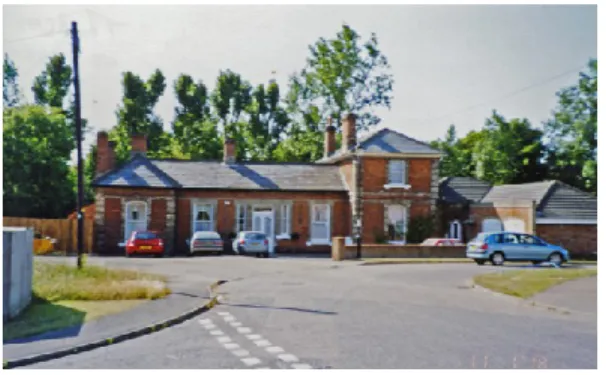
(252, 243)
(206, 242)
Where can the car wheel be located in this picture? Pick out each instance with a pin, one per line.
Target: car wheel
(555, 258)
(159, 255)
(497, 259)
(480, 262)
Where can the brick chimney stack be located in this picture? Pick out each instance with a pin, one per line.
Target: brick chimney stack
(329, 139)
(348, 130)
(229, 151)
(138, 144)
(106, 157)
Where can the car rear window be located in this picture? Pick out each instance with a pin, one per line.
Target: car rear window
(146, 236)
(208, 235)
(255, 236)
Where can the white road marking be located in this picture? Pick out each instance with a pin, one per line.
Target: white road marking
(254, 337)
(288, 357)
(229, 318)
(261, 368)
(223, 313)
(223, 339)
(241, 353)
(301, 366)
(209, 326)
(231, 345)
(274, 349)
(216, 333)
(251, 361)
(244, 330)
(235, 324)
(262, 343)
(205, 321)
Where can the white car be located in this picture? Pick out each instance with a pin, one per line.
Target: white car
(252, 243)
(206, 242)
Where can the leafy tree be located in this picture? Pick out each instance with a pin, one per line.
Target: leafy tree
(52, 85)
(509, 152)
(230, 99)
(195, 130)
(136, 115)
(345, 75)
(37, 145)
(10, 89)
(571, 135)
(457, 159)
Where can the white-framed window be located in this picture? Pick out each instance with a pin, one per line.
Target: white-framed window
(135, 218)
(397, 223)
(203, 217)
(455, 230)
(398, 172)
(285, 217)
(320, 223)
(241, 218)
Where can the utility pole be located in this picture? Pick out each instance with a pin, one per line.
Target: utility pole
(76, 51)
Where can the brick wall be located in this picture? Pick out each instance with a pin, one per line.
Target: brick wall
(342, 252)
(420, 174)
(523, 210)
(578, 239)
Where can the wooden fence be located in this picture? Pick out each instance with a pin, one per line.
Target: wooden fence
(65, 231)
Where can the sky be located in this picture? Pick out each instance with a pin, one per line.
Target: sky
(451, 64)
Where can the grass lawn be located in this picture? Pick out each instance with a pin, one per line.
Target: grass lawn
(526, 283)
(65, 296)
(372, 261)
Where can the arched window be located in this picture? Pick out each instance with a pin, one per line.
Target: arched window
(455, 230)
(135, 218)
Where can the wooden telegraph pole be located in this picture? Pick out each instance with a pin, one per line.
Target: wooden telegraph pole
(76, 51)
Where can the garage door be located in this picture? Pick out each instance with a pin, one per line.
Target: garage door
(492, 225)
(514, 225)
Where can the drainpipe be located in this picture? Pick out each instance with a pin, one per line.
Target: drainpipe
(358, 203)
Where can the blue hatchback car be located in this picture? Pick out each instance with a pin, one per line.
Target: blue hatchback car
(498, 247)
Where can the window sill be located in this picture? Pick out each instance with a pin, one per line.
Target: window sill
(283, 237)
(397, 186)
(318, 242)
(396, 242)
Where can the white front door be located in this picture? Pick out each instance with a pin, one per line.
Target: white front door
(513, 224)
(263, 221)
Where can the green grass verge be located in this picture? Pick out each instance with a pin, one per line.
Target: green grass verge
(526, 283)
(43, 316)
(373, 261)
(60, 282)
(66, 296)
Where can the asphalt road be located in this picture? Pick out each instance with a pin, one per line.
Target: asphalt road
(315, 313)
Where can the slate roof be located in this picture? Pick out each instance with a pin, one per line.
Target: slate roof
(389, 141)
(463, 189)
(564, 201)
(529, 191)
(143, 172)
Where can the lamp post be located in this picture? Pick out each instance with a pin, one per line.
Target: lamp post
(358, 222)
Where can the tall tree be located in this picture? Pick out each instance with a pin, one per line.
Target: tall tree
(194, 129)
(52, 85)
(571, 134)
(509, 152)
(37, 145)
(136, 115)
(10, 88)
(458, 153)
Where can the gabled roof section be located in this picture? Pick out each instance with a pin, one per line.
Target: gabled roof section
(463, 189)
(565, 201)
(387, 141)
(532, 191)
(137, 172)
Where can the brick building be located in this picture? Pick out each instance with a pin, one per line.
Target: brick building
(301, 206)
(556, 212)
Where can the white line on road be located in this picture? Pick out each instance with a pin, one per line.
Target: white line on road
(274, 349)
(244, 330)
(262, 343)
(229, 318)
(216, 333)
(241, 353)
(254, 337)
(223, 313)
(301, 366)
(235, 324)
(231, 345)
(251, 361)
(205, 321)
(288, 357)
(209, 326)
(223, 339)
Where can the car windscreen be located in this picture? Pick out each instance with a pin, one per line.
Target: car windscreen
(146, 236)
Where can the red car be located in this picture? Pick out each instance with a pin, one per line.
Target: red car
(441, 242)
(146, 242)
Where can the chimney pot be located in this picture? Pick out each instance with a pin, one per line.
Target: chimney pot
(106, 157)
(138, 144)
(329, 139)
(348, 130)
